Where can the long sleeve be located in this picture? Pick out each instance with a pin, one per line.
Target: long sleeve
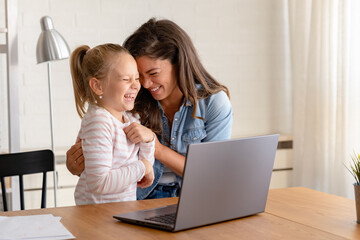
(147, 151)
(99, 142)
(219, 118)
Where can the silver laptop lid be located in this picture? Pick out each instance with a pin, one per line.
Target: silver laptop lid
(225, 180)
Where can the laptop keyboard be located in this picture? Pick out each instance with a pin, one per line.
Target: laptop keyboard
(167, 218)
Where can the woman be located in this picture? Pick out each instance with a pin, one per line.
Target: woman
(179, 101)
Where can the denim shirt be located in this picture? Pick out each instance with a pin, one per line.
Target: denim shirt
(217, 112)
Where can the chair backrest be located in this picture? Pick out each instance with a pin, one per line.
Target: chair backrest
(19, 164)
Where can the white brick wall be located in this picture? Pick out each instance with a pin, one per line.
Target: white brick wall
(241, 42)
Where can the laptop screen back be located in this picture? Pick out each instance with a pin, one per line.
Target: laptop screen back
(225, 180)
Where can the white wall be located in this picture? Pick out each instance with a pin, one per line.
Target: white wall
(3, 86)
(241, 42)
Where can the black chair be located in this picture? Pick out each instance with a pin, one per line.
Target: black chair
(19, 164)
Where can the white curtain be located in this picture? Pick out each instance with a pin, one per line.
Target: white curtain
(325, 70)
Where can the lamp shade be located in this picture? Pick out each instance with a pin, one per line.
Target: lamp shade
(51, 45)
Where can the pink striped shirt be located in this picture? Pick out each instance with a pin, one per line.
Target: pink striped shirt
(112, 162)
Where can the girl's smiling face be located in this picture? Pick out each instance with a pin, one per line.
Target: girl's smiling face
(122, 84)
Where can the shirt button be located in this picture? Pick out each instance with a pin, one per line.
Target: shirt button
(175, 119)
(194, 138)
(173, 138)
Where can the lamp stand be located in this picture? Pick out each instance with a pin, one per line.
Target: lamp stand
(52, 132)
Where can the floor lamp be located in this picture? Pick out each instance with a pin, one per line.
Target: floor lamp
(51, 46)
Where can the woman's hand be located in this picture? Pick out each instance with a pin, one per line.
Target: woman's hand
(75, 159)
(136, 133)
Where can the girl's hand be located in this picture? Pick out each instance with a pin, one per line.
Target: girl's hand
(146, 181)
(148, 178)
(136, 133)
(75, 159)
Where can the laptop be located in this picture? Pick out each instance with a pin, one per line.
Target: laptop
(222, 180)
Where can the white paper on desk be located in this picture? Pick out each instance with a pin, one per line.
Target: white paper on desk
(33, 227)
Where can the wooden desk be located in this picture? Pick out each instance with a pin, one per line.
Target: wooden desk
(291, 213)
(322, 211)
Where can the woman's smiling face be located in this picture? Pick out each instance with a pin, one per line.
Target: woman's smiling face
(157, 76)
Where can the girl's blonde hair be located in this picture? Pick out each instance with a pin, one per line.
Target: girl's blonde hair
(86, 63)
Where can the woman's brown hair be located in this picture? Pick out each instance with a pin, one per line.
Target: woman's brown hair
(86, 63)
(163, 39)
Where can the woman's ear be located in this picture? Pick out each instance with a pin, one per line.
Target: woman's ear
(96, 86)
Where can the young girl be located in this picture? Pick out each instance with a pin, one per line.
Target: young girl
(106, 79)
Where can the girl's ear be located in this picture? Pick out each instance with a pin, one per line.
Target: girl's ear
(96, 86)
